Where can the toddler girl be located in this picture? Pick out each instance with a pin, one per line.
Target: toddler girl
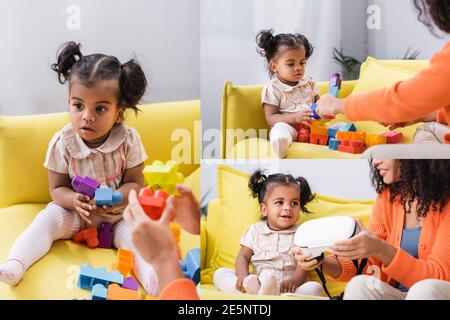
(94, 144)
(268, 244)
(288, 97)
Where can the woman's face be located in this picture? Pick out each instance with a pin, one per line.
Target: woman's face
(389, 169)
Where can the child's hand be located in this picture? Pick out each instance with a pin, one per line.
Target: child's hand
(302, 260)
(303, 115)
(288, 286)
(82, 206)
(240, 284)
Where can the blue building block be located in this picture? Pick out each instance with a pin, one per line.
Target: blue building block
(106, 197)
(191, 265)
(313, 111)
(332, 133)
(349, 127)
(334, 91)
(89, 277)
(333, 144)
(99, 292)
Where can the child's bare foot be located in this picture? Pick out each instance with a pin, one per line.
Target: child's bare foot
(280, 147)
(11, 272)
(251, 284)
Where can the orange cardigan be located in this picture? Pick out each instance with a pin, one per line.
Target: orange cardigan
(179, 289)
(408, 100)
(386, 221)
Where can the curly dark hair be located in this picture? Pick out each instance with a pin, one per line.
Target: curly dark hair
(427, 181)
(260, 183)
(268, 44)
(94, 67)
(434, 13)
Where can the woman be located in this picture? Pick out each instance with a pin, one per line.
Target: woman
(406, 242)
(422, 98)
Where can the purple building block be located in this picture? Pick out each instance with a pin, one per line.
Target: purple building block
(85, 185)
(105, 235)
(336, 80)
(130, 283)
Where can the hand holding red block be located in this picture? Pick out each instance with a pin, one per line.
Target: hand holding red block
(153, 203)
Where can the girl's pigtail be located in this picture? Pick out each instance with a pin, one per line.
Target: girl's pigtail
(67, 56)
(306, 195)
(132, 83)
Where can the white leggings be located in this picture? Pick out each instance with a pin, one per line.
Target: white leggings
(54, 223)
(366, 287)
(281, 137)
(225, 280)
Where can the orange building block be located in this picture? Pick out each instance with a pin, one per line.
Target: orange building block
(375, 139)
(115, 292)
(321, 139)
(352, 146)
(124, 261)
(349, 135)
(90, 236)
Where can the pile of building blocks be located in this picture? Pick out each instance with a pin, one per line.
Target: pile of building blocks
(341, 136)
(91, 188)
(191, 265)
(93, 237)
(110, 285)
(163, 176)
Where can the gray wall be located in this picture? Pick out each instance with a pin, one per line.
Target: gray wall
(163, 35)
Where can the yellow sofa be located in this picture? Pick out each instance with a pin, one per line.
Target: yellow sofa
(234, 211)
(245, 130)
(24, 192)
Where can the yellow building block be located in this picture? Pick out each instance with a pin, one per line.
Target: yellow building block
(164, 176)
(375, 139)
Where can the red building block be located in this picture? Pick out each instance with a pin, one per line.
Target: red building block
(90, 236)
(393, 136)
(153, 203)
(320, 139)
(352, 146)
(303, 135)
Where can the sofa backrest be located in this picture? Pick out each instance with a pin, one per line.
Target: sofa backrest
(24, 141)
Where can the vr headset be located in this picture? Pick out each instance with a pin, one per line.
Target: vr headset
(317, 236)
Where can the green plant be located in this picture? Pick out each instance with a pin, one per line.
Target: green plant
(351, 66)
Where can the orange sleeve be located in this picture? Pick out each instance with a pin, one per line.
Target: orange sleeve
(180, 289)
(408, 270)
(377, 226)
(406, 100)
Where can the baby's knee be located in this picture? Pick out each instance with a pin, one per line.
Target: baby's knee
(430, 289)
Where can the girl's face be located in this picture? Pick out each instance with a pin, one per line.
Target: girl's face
(281, 206)
(289, 64)
(94, 110)
(389, 169)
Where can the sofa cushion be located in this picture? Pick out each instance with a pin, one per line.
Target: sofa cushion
(238, 210)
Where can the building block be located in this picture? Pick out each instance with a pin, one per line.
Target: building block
(352, 146)
(303, 135)
(332, 133)
(335, 80)
(393, 136)
(90, 236)
(86, 185)
(99, 292)
(153, 203)
(105, 235)
(163, 176)
(115, 292)
(333, 144)
(348, 135)
(375, 139)
(90, 276)
(320, 139)
(130, 283)
(313, 111)
(191, 265)
(348, 127)
(319, 129)
(124, 261)
(107, 197)
(334, 91)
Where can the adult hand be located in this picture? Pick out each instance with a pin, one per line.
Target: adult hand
(304, 260)
(363, 245)
(185, 210)
(329, 106)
